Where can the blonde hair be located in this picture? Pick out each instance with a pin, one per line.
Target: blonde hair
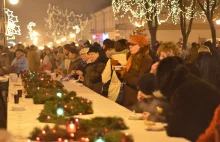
(168, 46)
(204, 48)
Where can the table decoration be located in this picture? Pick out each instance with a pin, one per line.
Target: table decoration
(98, 129)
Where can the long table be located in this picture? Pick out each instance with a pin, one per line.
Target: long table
(21, 123)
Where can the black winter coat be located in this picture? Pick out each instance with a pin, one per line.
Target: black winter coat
(209, 68)
(93, 79)
(192, 101)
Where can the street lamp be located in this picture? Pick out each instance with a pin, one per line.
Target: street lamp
(4, 18)
(13, 1)
(218, 22)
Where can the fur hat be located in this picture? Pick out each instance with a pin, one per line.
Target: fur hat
(171, 72)
(147, 84)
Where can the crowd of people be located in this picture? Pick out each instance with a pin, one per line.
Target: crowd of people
(169, 84)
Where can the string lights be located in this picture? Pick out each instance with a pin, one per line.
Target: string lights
(60, 23)
(149, 10)
(32, 33)
(12, 28)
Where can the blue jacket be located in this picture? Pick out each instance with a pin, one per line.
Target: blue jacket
(20, 64)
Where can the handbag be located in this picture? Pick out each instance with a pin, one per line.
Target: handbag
(121, 94)
(105, 86)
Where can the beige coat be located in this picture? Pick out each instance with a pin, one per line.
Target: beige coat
(33, 60)
(115, 84)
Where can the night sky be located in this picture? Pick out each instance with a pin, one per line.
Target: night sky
(35, 10)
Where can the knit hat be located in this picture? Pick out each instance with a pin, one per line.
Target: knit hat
(94, 49)
(138, 39)
(84, 51)
(147, 84)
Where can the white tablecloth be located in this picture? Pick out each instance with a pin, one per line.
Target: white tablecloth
(21, 123)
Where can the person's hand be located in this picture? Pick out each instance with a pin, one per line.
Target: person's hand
(145, 115)
(80, 73)
(115, 62)
(140, 96)
(154, 68)
(122, 71)
(73, 72)
(88, 61)
(81, 78)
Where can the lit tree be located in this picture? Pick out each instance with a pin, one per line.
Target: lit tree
(187, 11)
(60, 23)
(151, 11)
(211, 9)
(183, 11)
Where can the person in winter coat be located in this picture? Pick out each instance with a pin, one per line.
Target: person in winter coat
(109, 48)
(138, 63)
(213, 50)
(3, 112)
(193, 53)
(33, 59)
(153, 105)
(208, 66)
(20, 63)
(49, 63)
(118, 58)
(5, 60)
(165, 49)
(81, 69)
(66, 63)
(75, 60)
(192, 101)
(93, 79)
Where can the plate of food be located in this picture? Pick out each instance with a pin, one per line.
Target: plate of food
(155, 126)
(136, 116)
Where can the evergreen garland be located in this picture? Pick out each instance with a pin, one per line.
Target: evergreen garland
(44, 90)
(87, 129)
(72, 105)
